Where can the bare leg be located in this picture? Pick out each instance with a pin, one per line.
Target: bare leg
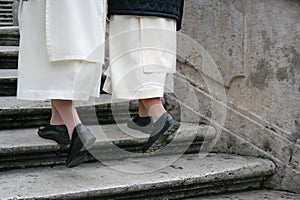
(153, 107)
(68, 114)
(55, 117)
(143, 112)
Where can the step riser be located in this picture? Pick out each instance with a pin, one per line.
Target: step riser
(38, 118)
(9, 36)
(27, 114)
(176, 191)
(9, 162)
(182, 192)
(9, 41)
(8, 62)
(48, 159)
(8, 87)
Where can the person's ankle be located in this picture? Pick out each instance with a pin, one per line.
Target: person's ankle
(54, 123)
(156, 116)
(142, 115)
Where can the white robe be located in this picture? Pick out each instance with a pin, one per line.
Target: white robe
(61, 49)
(142, 57)
(75, 28)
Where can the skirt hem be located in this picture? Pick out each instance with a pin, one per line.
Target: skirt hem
(38, 95)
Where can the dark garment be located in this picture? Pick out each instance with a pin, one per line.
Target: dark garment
(172, 9)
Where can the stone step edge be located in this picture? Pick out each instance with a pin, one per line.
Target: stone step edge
(27, 141)
(8, 74)
(189, 175)
(9, 51)
(9, 30)
(26, 149)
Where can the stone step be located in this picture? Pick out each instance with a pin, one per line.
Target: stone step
(24, 148)
(15, 113)
(9, 57)
(5, 24)
(9, 35)
(8, 82)
(6, 14)
(5, 5)
(156, 177)
(6, 9)
(252, 195)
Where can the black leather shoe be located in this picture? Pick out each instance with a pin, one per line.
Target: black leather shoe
(58, 133)
(164, 131)
(143, 124)
(82, 140)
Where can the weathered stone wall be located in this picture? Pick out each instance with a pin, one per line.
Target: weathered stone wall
(256, 46)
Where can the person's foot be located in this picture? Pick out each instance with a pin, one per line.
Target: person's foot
(82, 140)
(143, 124)
(58, 133)
(163, 132)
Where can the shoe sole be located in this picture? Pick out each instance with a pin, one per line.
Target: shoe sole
(163, 139)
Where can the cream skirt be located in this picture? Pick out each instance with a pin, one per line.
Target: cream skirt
(142, 54)
(40, 79)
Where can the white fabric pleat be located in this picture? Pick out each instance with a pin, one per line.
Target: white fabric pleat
(142, 57)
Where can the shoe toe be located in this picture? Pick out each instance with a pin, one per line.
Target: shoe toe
(164, 131)
(81, 157)
(82, 140)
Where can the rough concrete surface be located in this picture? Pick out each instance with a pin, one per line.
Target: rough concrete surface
(134, 176)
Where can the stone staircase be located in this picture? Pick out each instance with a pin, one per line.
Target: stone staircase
(6, 12)
(33, 168)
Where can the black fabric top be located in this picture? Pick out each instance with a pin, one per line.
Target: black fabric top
(172, 9)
